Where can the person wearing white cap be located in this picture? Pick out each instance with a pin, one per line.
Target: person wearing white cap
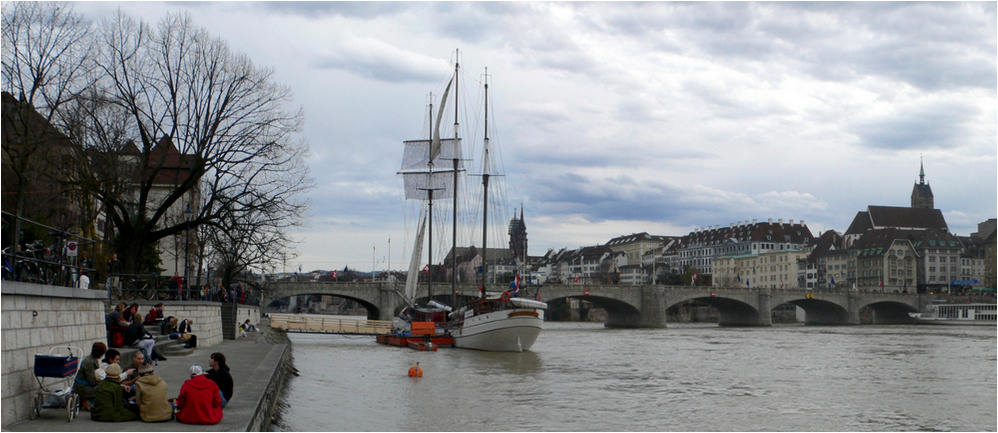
(200, 401)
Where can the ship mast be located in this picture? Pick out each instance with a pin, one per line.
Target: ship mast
(429, 192)
(453, 276)
(485, 190)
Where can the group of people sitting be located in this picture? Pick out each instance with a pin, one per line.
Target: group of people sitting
(111, 394)
(126, 328)
(179, 331)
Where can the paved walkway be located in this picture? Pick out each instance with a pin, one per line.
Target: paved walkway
(252, 362)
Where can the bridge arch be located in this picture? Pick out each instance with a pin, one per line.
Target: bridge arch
(373, 310)
(822, 312)
(886, 312)
(732, 312)
(620, 314)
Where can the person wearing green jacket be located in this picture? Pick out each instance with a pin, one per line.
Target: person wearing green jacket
(109, 405)
(86, 378)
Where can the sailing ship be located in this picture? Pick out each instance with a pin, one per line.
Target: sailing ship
(505, 322)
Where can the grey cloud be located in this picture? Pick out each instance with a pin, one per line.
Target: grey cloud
(476, 22)
(393, 66)
(939, 126)
(321, 9)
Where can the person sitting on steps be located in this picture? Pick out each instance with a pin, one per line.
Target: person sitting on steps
(186, 333)
(136, 336)
(155, 315)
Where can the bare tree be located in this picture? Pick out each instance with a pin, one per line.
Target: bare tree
(45, 66)
(252, 239)
(208, 130)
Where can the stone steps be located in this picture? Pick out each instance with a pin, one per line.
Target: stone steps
(165, 346)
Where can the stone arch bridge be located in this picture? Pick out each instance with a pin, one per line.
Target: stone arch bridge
(639, 306)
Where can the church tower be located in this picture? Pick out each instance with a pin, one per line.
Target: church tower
(518, 237)
(921, 194)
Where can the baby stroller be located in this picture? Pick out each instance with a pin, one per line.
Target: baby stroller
(55, 374)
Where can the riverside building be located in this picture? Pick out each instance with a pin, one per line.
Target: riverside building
(701, 247)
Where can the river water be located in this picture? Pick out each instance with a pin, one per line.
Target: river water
(688, 377)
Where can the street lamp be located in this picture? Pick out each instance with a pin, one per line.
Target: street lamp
(187, 218)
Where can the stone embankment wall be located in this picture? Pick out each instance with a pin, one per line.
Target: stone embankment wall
(268, 409)
(36, 318)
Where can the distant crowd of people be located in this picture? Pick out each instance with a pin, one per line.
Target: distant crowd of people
(112, 394)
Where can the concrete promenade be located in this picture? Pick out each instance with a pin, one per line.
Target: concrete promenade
(253, 361)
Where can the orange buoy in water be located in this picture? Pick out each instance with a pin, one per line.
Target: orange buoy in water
(415, 371)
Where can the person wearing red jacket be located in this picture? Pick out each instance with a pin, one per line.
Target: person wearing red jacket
(199, 401)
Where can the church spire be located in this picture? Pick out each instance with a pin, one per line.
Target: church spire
(921, 174)
(921, 193)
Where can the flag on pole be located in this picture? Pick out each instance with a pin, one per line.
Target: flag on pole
(694, 279)
(333, 274)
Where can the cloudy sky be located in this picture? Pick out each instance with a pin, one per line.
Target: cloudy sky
(620, 118)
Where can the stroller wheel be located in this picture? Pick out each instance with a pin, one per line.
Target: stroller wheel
(72, 405)
(35, 408)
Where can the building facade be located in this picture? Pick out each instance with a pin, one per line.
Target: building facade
(700, 248)
(774, 269)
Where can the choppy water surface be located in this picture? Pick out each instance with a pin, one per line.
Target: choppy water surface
(583, 377)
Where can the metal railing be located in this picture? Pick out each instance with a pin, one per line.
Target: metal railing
(61, 259)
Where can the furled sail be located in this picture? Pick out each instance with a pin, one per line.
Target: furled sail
(413, 276)
(435, 145)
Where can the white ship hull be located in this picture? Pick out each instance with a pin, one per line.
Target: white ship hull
(958, 314)
(508, 330)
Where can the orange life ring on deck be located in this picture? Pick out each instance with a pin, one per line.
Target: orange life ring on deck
(504, 297)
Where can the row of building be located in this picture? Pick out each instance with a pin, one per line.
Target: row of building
(885, 248)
